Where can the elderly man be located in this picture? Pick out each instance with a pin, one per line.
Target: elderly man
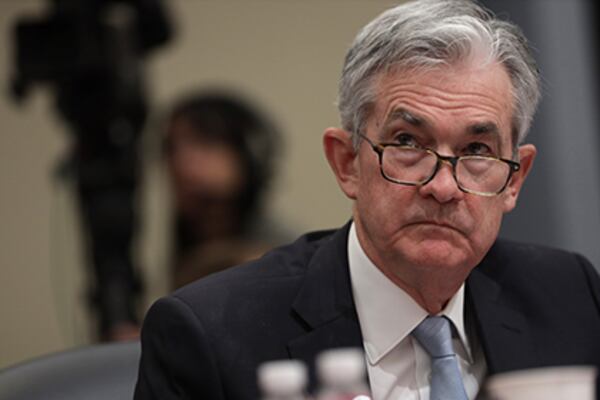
(436, 98)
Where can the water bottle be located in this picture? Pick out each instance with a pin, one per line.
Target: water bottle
(282, 380)
(342, 375)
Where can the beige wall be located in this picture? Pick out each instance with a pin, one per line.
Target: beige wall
(285, 54)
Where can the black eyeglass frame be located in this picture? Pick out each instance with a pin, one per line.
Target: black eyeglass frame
(453, 160)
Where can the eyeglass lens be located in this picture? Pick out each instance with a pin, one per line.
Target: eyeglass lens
(411, 165)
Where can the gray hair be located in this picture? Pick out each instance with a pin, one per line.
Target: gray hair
(431, 33)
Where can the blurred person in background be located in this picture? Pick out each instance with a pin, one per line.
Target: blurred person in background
(220, 153)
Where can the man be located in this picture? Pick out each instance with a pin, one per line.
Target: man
(436, 98)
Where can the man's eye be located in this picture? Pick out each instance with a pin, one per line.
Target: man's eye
(478, 149)
(406, 139)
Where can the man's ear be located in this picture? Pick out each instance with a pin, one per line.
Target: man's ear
(341, 156)
(527, 154)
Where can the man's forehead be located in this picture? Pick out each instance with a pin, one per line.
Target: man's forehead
(409, 96)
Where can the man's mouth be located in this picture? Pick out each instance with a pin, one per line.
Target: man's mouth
(439, 224)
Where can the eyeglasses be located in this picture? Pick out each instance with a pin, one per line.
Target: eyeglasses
(417, 166)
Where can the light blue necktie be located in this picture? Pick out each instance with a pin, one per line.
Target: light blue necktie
(435, 336)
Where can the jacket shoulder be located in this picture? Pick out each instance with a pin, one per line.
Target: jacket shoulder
(536, 267)
(530, 257)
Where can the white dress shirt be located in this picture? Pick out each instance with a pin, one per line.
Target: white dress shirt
(397, 366)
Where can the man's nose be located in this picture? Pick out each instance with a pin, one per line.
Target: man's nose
(443, 187)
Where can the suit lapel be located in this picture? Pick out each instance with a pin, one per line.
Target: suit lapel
(329, 315)
(502, 329)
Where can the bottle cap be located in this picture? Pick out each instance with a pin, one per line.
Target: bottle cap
(341, 367)
(282, 377)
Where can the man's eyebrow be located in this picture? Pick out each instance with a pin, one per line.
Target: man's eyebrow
(487, 128)
(484, 128)
(478, 128)
(406, 116)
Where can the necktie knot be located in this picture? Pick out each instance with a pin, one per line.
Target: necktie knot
(435, 335)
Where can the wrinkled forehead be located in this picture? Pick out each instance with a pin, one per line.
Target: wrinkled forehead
(474, 93)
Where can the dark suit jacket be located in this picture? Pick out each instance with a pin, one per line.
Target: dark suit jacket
(532, 307)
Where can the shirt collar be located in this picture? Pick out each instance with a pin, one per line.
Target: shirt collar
(387, 314)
